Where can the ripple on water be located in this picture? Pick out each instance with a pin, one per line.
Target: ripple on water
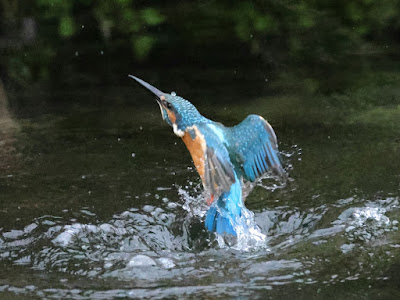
(157, 244)
(368, 222)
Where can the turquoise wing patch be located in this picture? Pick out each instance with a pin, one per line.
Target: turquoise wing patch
(254, 148)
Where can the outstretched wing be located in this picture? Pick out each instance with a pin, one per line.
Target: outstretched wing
(254, 148)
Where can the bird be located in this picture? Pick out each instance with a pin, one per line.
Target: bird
(224, 157)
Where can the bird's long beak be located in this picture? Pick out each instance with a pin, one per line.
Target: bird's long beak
(148, 86)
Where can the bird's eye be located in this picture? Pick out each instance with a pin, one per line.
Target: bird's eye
(168, 105)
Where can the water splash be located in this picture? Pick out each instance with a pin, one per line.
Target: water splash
(249, 236)
(193, 202)
(368, 222)
(156, 244)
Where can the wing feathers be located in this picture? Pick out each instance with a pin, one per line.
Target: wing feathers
(255, 148)
(248, 149)
(219, 173)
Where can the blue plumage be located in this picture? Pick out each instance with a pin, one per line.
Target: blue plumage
(223, 156)
(257, 153)
(224, 215)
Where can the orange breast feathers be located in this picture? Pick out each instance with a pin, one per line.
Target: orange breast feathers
(197, 149)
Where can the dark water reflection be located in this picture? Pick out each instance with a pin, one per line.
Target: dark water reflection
(104, 202)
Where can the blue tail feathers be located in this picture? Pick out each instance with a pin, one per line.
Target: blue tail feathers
(224, 215)
(216, 222)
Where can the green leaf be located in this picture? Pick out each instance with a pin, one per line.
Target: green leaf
(306, 21)
(142, 46)
(66, 27)
(263, 23)
(152, 17)
(243, 30)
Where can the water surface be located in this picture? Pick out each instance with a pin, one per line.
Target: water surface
(99, 199)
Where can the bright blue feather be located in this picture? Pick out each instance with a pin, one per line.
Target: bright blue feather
(253, 148)
(224, 214)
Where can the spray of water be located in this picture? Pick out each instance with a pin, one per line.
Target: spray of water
(249, 236)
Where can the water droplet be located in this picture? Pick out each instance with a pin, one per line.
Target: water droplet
(141, 261)
(133, 154)
(173, 94)
(83, 26)
(108, 265)
(148, 208)
(76, 53)
(30, 228)
(101, 52)
(172, 205)
(166, 262)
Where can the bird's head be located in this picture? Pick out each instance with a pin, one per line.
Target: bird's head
(176, 111)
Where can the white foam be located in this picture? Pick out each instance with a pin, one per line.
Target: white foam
(141, 261)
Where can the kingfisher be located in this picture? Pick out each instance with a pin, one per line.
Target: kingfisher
(224, 157)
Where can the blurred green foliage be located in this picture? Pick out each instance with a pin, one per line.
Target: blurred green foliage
(120, 17)
(305, 34)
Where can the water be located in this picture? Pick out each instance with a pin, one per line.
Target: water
(102, 201)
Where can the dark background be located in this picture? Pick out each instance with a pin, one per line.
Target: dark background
(94, 43)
